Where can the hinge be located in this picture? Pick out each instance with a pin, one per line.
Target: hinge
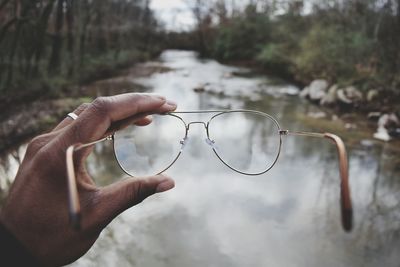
(283, 132)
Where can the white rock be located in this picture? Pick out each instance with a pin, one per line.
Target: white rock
(372, 94)
(342, 97)
(353, 93)
(374, 115)
(318, 89)
(289, 90)
(382, 134)
(393, 118)
(349, 95)
(383, 120)
(330, 97)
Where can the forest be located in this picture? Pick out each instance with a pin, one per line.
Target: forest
(48, 46)
(348, 42)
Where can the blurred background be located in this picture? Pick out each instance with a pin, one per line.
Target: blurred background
(325, 66)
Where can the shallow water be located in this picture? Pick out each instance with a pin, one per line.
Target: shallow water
(288, 216)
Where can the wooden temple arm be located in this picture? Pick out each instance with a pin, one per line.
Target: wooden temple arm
(74, 207)
(346, 206)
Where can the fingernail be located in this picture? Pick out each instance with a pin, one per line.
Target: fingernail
(171, 103)
(157, 96)
(165, 186)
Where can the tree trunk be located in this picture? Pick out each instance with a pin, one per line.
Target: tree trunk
(86, 18)
(70, 35)
(398, 15)
(20, 12)
(41, 33)
(54, 65)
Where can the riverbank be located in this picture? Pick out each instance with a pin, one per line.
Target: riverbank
(378, 107)
(63, 85)
(24, 120)
(21, 121)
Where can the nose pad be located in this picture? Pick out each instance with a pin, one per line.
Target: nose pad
(184, 142)
(211, 143)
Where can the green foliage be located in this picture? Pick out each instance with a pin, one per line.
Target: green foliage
(274, 54)
(105, 65)
(330, 52)
(348, 42)
(242, 39)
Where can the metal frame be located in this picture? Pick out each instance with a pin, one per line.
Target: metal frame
(345, 195)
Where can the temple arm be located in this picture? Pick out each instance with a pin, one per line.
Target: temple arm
(74, 207)
(345, 195)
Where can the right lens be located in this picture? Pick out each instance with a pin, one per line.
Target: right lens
(246, 141)
(149, 150)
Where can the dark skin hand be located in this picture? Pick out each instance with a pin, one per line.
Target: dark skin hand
(36, 211)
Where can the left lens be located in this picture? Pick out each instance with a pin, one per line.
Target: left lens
(149, 150)
(246, 141)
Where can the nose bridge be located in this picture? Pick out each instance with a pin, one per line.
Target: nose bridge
(197, 122)
(208, 141)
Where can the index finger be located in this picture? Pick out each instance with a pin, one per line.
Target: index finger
(95, 121)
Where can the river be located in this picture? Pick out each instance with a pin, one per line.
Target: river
(288, 216)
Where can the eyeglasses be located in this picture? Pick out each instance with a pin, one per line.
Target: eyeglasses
(246, 141)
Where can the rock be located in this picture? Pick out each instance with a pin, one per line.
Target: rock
(374, 115)
(393, 118)
(289, 90)
(341, 96)
(353, 93)
(199, 89)
(241, 73)
(382, 134)
(318, 89)
(227, 75)
(383, 120)
(349, 95)
(317, 115)
(330, 97)
(388, 120)
(372, 94)
(386, 123)
(350, 126)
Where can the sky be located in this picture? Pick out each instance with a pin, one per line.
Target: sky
(175, 14)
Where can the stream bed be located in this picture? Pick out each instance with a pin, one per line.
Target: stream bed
(288, 216)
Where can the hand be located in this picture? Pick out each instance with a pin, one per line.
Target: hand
(36, 211)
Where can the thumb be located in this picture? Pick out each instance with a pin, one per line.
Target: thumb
(124, 194)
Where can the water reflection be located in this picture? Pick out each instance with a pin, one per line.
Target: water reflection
(9, 164)
(287, 217)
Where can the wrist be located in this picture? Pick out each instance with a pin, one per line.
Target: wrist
(13, 251)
